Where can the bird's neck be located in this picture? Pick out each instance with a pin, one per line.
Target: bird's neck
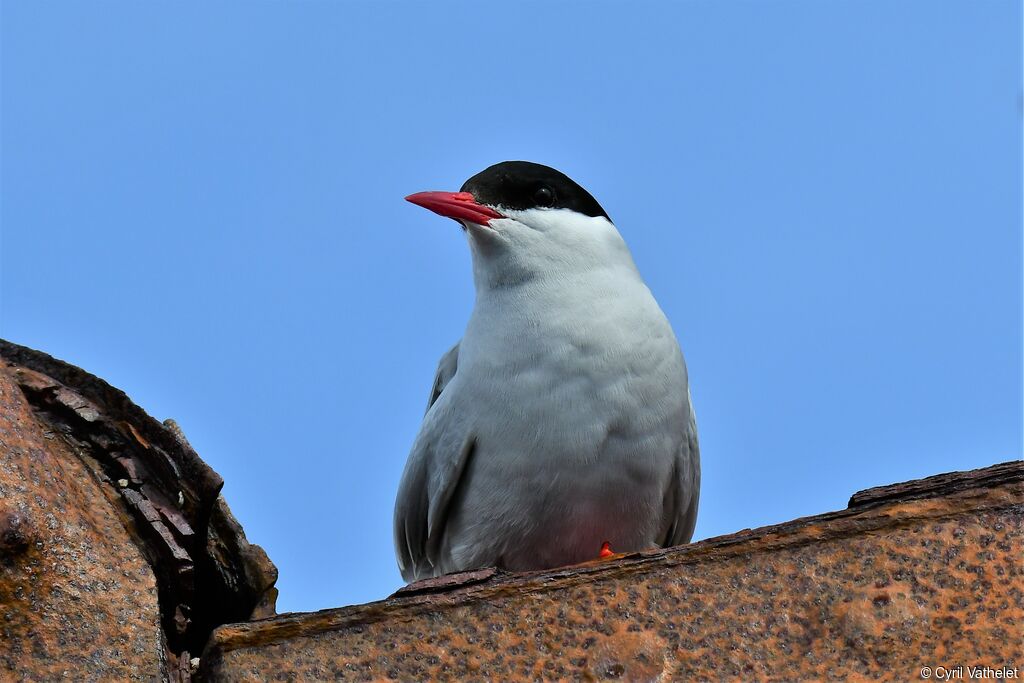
(501, 270)
(570, 297)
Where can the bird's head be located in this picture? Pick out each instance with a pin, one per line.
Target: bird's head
(526, 220)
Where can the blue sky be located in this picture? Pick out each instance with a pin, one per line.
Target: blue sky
(202, 204)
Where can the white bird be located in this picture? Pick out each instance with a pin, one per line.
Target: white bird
(562, 421)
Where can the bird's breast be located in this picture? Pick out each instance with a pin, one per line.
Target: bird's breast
(566, 368)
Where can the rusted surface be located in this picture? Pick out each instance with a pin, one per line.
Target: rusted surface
(878, 591)
(448, 582)
(77, 597)
(90, 484)
(939, 485)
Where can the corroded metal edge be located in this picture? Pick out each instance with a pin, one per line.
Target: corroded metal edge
(940, 484)
(207, 571)
(996, 487)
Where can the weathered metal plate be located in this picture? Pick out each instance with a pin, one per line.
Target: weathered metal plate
(77, 598)
(877, 591)
(90, 484)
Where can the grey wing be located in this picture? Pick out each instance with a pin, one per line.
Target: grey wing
(431, 477)
(446, 368)
(683, 495)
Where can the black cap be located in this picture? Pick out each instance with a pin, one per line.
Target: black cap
(526, 185)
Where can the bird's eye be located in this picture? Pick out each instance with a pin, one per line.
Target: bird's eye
(544, 196)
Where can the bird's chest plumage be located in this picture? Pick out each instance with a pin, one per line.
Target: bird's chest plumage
(574, 370)
(577, 406)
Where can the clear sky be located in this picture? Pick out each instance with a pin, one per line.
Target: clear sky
(202, 204)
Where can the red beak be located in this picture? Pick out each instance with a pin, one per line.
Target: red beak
(461, 206)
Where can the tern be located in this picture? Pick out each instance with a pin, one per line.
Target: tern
(561, 424)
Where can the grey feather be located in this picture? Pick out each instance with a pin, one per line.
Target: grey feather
(683, 496)
(446, 369)
(431, 478)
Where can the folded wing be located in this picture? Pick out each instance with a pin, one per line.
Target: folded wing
(432, 474)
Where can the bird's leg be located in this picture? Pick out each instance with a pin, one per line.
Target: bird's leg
(606, 553)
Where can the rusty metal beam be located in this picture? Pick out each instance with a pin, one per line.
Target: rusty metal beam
(925, 573)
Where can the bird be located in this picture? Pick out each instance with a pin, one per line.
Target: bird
(562, 422)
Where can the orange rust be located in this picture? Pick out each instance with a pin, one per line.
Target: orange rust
(874, 591)
(130, 428)
(117, 555)
(78, 588)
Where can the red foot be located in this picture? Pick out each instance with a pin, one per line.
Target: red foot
(606, 550)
